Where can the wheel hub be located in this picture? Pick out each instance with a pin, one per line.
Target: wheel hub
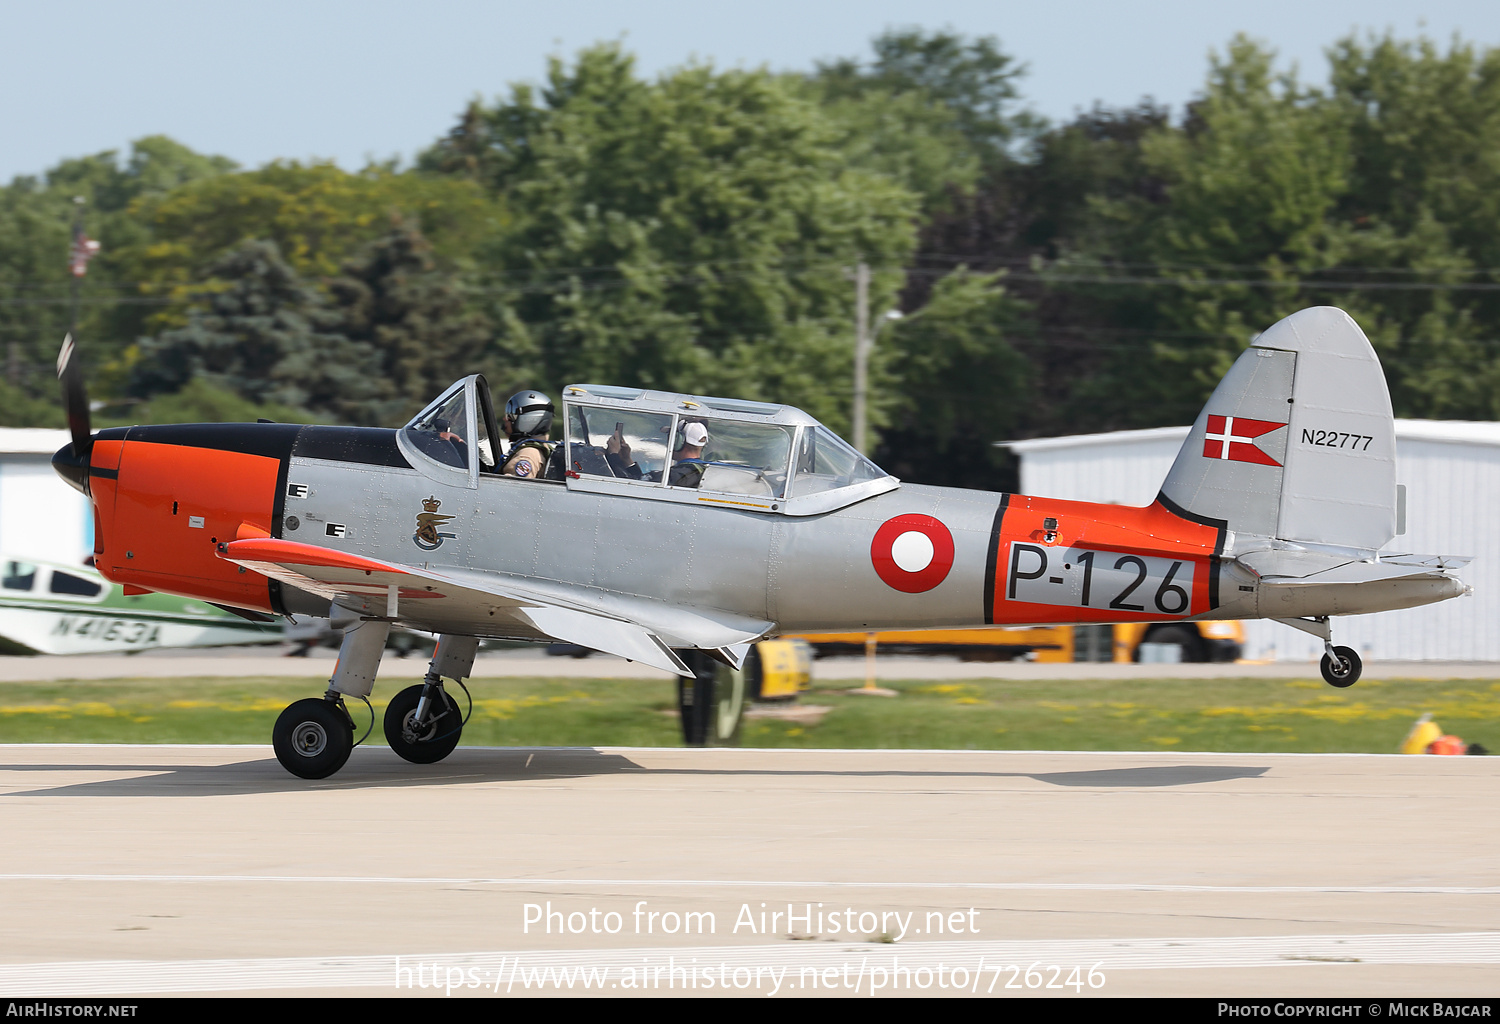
(413, 731)
(309, 739)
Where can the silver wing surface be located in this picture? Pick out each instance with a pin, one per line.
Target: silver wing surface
(463, 601)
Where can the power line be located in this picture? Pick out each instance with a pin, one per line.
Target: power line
(565, 282)
(1062, 270)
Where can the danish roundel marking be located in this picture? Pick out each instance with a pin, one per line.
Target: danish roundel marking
(912, 553)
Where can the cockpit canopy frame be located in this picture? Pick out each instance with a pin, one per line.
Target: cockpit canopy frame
(437, 440)
(758, 457)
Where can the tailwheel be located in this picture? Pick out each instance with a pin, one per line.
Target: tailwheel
(313, 738)
(432, 737)
(1343, 672)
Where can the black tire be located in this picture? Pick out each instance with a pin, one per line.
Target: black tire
(440, 738)
(695, 703)
(313, 738)
(1185, 637)
(754, 673)
(711, 702)
(1347, 672)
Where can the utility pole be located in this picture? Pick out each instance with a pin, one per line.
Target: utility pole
(77, 261)
(862, 346)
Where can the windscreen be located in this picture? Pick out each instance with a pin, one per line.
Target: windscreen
(825, 462)
(19, 576)
(439, 434)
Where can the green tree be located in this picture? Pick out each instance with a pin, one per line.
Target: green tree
(259, 332)
(318, 216)
(1422, 214)
(36, 218)
(933, 111)
(200, 401)
(691, 233)
(392, 298)
(1250, 182)
(1375, 195)
(957, 383)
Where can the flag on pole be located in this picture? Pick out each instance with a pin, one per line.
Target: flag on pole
(84, 249)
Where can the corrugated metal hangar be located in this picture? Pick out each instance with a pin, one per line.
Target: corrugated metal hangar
(1451, 471)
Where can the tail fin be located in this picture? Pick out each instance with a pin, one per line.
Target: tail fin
(1297, 442)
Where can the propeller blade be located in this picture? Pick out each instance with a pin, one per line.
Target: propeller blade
(75, 399)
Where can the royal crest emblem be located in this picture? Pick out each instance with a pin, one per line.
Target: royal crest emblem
(427, 536)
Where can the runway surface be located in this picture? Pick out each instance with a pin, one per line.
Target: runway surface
(133, 870)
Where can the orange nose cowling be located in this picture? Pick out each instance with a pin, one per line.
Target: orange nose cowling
(159, 522)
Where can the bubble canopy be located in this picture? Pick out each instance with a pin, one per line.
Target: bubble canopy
(756, 456)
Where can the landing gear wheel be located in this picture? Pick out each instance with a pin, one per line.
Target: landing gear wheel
(1346, 672)
(710, 702)
(422, 743)
(313, 738)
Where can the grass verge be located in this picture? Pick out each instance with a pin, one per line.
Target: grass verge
(1299, 715)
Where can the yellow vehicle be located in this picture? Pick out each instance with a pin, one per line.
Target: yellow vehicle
(1197, 641)
(778, 669)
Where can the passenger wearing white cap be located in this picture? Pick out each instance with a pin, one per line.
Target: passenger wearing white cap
(687, 462)
(694, 437)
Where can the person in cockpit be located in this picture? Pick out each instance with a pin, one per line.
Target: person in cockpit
(444, 431)
(687, 462)
(526, 423)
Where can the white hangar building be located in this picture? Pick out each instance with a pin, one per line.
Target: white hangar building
(40, 516)
(1451, 470)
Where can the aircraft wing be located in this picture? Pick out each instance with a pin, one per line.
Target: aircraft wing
(491, 604)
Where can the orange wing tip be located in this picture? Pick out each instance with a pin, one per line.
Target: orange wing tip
(290, 552)
(249, 531)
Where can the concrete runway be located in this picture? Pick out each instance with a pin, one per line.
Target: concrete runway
(132, 870)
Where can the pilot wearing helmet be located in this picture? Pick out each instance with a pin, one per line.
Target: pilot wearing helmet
(527, 422)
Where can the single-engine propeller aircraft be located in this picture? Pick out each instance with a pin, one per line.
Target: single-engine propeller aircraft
(46, 608)
(1278, 506)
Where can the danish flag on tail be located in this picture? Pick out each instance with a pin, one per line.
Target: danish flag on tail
(1233, 437)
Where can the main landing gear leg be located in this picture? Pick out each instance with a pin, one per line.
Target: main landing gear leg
(423, 723)
(1341, 666)
(313, 737)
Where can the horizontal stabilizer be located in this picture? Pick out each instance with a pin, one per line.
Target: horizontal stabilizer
(1286, 567)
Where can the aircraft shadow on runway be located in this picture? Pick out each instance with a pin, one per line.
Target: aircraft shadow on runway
(379, 768)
